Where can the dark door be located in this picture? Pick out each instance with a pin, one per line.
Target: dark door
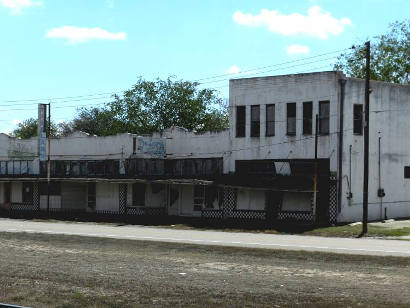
(28, 192)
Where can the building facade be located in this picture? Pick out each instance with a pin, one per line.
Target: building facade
(263, 167)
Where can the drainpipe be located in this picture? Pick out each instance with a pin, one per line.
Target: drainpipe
(380, 191)
(342, 83)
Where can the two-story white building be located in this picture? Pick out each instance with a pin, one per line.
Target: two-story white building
(262, 168)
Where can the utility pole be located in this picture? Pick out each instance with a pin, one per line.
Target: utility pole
(315, 170)
(366, 142)
(48, 157)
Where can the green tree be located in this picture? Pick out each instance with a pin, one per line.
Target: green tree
(151, 106)
(390, 56)
(28, 129)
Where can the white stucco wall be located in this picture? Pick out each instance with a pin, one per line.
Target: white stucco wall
(107, 197)
(389, 119)
(280, 90)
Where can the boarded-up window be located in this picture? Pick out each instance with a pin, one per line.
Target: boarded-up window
(138, 194)
(270, 120)
(240, 121)
(307, 118)
(255, 121)
(358, 119)
(324, 110)
(291, 119)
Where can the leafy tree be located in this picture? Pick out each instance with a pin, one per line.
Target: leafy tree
(151, 106)
(28, 129)
(390, 56)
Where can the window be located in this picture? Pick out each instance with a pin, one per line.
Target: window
(138, 194)
(213, 197)
(407, 172)
(199, 197)
(291, 119)
(358, 119)
(324, 108)
(240, 121)
(307, 118)
(270, 120)
(28, 192)
(255, 121)
(91, 195)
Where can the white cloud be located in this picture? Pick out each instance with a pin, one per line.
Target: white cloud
(17, 6)
(233, 70)
(76, 35)
(16, 121)
(297, 49)
(317, 23)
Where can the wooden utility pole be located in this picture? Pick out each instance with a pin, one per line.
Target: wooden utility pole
(48, 157)
(315, 171)
(366, 142)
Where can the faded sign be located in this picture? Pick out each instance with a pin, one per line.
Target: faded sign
(151, 146)
(42, 148)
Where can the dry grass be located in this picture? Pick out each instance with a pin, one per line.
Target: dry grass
(69, 271)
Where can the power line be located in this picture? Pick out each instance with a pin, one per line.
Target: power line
(205, 78)
(274, 65)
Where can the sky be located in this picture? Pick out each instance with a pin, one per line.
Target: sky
(78, 53)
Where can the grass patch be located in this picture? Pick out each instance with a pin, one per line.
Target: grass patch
(353, 231)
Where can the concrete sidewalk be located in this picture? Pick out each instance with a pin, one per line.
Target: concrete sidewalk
(363, 246)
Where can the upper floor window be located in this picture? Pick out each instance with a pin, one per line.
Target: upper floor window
(291, 119)
(358, 119)
(270, 120)
(240, 121)
(255, 121)
(307, 118)
(407, 172)
(324, 114)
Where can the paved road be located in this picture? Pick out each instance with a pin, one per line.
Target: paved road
(364, 246)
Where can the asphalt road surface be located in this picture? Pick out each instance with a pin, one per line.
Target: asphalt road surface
(362, 246)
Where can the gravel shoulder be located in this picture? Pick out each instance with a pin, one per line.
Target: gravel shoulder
(40, 270)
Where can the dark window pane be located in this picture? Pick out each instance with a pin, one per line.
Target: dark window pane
(270, 120)
(324, 109)
(407, 172)
(358, 119)
(255, 121)
(307, 118)
(291, 119)
(240, 121)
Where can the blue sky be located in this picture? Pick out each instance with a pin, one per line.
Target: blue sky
(68, 51)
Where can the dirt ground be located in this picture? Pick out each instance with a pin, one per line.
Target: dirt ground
(70, 271)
